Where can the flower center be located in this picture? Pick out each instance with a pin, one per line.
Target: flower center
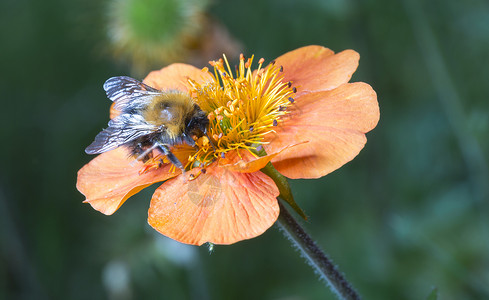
(242, 108)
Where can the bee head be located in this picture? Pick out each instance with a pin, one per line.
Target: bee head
(198, 123)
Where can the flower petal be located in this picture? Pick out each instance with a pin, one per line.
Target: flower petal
(333, 122)
(245, 162)
(315, 68)
(175, 76)
(219, 206)
(113, 112)
(112, 177)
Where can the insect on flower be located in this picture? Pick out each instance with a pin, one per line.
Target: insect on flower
(223, 126)
(149, 119)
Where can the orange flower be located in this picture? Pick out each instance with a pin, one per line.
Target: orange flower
(299, 113)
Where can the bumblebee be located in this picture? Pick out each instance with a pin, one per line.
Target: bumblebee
(149, 119)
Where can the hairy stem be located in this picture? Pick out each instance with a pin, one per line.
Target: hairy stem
(315, 256)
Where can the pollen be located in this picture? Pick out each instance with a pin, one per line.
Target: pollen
(243, 106)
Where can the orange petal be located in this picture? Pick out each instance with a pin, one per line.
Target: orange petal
(175, 76)
(245, 162)
(219, 206)
(114, 112)
(112, 177)
(315, 68)
(334, 122)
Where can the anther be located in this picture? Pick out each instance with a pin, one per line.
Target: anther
(275, 123)
(223, 155)
(294, 90)
(251, 128)
(291, 100)
(282, 108)
(227, 114)
(259, 148)
(203, 171)
(281, 69)
(261, 61)
(289, 84)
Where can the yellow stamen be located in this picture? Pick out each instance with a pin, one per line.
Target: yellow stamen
(153, 163)
(243, 107)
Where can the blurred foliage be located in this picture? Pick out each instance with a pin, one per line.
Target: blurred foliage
(408, 214)
(153, 32)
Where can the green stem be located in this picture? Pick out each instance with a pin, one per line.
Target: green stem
(309, 249)
(315, 256)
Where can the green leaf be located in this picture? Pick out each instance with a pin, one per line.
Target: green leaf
(284, 188)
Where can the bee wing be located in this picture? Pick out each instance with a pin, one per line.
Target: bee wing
(128, 93)
(122, 129)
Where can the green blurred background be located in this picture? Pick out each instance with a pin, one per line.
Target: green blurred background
(408, 214)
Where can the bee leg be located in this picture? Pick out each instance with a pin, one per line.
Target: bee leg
(173, 159)
(189, 140)
(142, 156)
